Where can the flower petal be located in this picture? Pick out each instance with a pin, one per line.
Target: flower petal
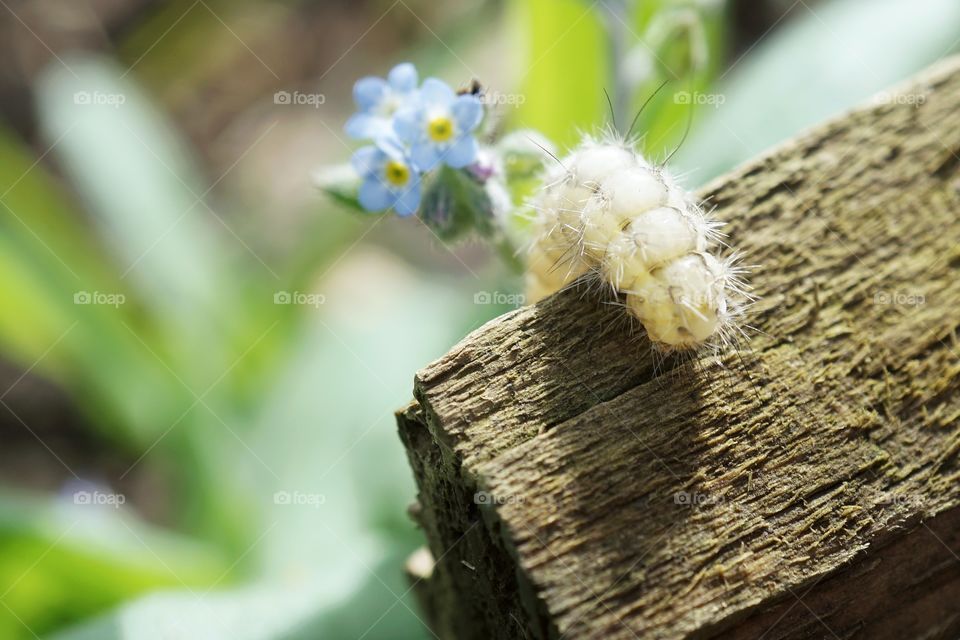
(425, 155)
(468, 112)
(436, 92)
(403, 77)
(368, 92)
(361, 126)
(374, 195)
(368, 161)
(461, 153)
(392, 147)
(408, 124)
(408, 200)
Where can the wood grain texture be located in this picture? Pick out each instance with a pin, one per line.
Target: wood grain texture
(808, 486)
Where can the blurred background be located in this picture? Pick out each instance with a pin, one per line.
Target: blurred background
(200, 355)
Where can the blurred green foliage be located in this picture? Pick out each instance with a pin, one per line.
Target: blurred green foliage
(199, 371)
(200, 367)
(570, 68)
(565, 68)
(831, 56)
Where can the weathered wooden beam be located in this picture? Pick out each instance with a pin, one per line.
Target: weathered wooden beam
(808, 486)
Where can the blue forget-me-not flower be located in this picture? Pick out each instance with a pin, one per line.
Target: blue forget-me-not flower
(378, 100)
(439, 126)
(413, 130)
(389, 178)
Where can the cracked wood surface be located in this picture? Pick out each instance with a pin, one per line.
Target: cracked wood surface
(808, 486)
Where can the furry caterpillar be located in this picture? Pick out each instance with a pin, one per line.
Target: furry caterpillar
(607, 212)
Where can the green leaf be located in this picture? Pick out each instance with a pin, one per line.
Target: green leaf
(565, 68)
(684, 44)
(379, 607)
(48, 259)
(454, 204)
(62, 562)
(524, 153)
(148, 201)
(342, 184)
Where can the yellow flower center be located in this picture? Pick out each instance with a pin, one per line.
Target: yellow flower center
(440, 129)
(396, 173)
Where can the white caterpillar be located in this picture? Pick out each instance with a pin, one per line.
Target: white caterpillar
(607, 212)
